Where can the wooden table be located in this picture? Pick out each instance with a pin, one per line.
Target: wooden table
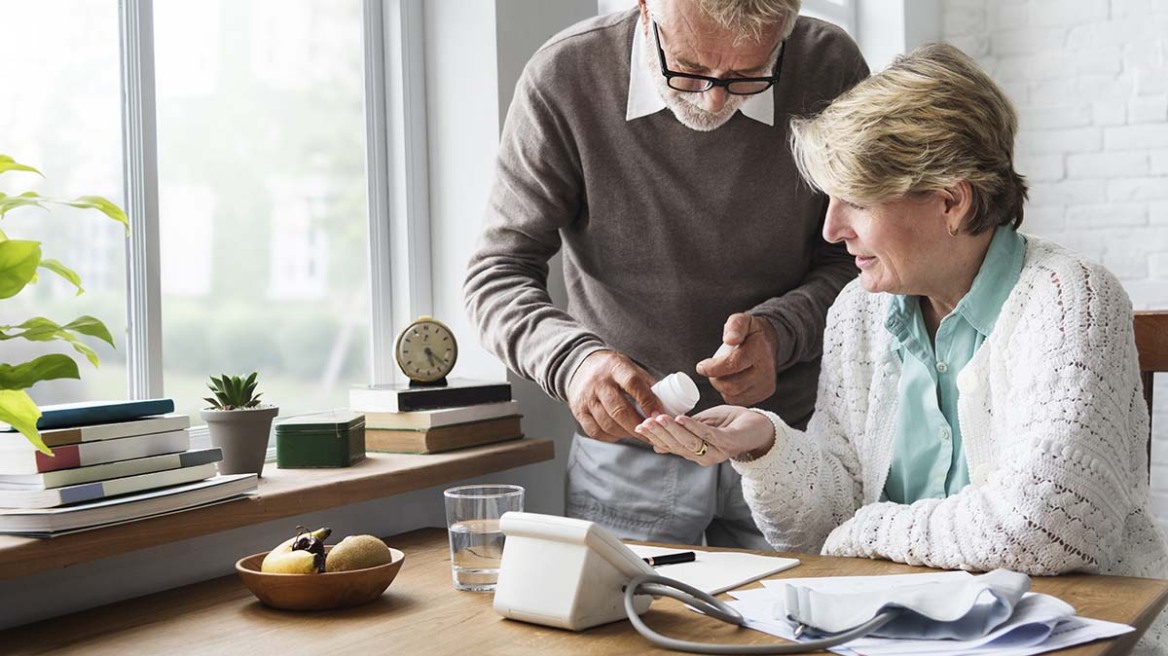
(421, 613)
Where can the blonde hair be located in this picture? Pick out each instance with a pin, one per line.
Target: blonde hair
(930, 120)
(752, 19)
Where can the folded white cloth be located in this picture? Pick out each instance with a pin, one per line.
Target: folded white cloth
(934, 610)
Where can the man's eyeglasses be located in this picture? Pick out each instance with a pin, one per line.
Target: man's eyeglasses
(739, 86)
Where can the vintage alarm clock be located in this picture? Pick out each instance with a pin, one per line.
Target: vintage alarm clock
(426, 351)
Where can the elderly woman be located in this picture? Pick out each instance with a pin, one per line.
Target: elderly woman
(979, 404)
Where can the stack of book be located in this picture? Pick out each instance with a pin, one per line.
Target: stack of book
(112, 462)
(430, 419)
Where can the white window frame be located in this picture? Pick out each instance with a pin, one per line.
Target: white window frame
(396, 170)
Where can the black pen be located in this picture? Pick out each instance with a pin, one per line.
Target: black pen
(671, 559)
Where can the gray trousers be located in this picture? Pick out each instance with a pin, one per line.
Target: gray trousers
(638, 494)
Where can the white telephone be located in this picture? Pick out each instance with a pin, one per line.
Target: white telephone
(566, 573)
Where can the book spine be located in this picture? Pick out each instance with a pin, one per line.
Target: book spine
(108, 470)
(63, 436)
(426, 399)
(429, 419)
(64, 457)
(103, 414)
(94, 453)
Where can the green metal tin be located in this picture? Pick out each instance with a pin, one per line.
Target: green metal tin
(326, 439)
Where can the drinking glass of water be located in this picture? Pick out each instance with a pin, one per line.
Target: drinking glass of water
(476, 541)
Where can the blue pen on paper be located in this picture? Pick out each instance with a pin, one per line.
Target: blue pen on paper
(671, 559)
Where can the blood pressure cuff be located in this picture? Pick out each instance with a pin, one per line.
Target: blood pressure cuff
(958, 610)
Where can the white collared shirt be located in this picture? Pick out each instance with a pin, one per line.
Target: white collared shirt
(645, 100)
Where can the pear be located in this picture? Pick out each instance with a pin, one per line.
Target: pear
(357, 552)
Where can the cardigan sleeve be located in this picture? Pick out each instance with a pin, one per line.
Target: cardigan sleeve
(1062, 485)
(809, 482)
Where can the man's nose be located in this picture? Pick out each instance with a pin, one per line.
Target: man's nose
(715, 99)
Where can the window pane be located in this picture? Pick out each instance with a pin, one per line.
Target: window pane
(262, 198)
(61, 114)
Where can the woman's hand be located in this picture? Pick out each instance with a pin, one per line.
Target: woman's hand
(712, 436)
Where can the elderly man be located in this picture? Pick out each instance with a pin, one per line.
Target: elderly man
(652, 146)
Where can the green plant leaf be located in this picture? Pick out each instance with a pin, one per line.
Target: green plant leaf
(91, 326)
(85, 350)
(46, 367)
(249, 385)
(102, 205)
(233, 392)
(18, 410)
(27, 199)
(8, 164)
(40, 329)
(65, 272)
(18, 264)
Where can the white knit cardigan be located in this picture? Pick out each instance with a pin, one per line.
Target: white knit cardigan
(1054, 426)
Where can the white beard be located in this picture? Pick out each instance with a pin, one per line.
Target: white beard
(679, 102)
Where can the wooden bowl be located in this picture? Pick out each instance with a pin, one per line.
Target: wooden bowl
(318, 591)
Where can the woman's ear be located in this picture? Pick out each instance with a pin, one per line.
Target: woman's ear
(956, 203)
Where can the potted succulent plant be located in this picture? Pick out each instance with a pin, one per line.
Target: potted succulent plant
(240, 425)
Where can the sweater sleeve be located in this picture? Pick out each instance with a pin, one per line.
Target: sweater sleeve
(538, 190)
(1062, 485)
(809, 482)
(798, 316)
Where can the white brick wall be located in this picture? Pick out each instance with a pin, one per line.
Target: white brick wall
(1090, 81)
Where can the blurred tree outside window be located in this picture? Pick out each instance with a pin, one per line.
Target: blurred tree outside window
(262, 198)
(262, 194)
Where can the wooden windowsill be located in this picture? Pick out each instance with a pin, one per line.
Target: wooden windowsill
(282, 493)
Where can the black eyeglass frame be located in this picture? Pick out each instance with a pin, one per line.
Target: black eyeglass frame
(712, 82)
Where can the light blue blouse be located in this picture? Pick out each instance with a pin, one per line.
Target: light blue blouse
(928, 461)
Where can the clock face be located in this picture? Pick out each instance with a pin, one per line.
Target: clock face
(426, 350)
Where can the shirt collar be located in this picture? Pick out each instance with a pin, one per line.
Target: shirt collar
(982, 304)
(645, 100)
(901, 313)
(1000, 269)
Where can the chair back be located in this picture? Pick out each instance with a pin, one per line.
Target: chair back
(1152, 345)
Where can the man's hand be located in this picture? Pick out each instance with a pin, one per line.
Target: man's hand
(745, 375)
(599, 396)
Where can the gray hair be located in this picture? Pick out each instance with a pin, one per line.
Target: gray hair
(750, 18)
(930, 120)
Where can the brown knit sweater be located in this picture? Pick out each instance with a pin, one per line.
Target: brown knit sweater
(665, 231)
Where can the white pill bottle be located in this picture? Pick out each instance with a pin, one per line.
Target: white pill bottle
(677, 392)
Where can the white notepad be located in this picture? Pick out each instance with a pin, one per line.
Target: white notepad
(717, 571)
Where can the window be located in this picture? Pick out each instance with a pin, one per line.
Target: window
(61, 114)
(262, 198)
(265, 231)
